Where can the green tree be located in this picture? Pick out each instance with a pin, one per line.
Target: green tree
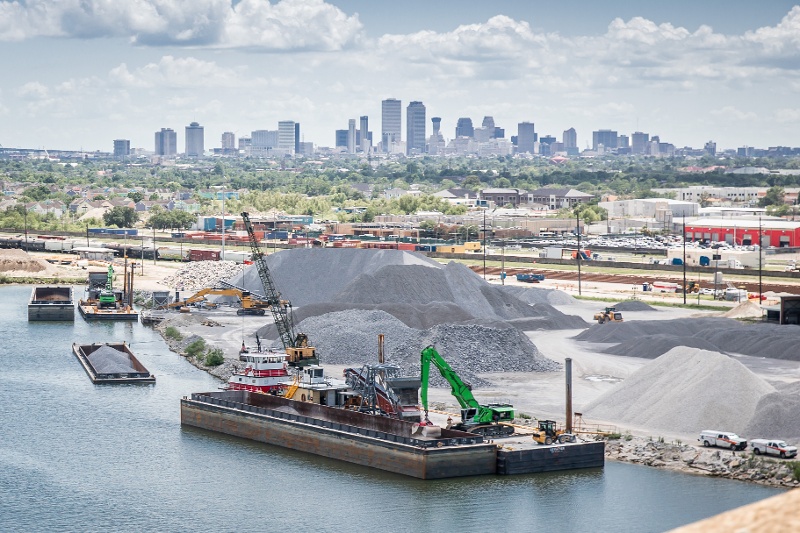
(774, 196)
(122, 217)
(136, 196)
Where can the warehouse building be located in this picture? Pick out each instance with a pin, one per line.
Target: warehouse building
(745, 232)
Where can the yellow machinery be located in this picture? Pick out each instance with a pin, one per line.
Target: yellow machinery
(609, 314)
(250, 305)
(547, 433)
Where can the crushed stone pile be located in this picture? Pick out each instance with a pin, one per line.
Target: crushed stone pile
(684, 391)
(658, 345)
(535, 295)
(15, 260)
(777, 415)
(634, 305)
(196, 275)
(615, 332)
(759, 340)
(398, 282)
(107, 360)
(746, 309)
(350, 337)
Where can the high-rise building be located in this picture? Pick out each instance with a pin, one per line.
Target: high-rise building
(286, 141)
(297, 143)
(351, 136)
(228, 141)
(365, 137)
(488, 122)
(195, 139)
(464, 127)
(391, 121)
(570, 138)
(341, 138)
(436, 144)
(710, 148)
(415, 128)
(526, 138)
(263, 142)
(166, 142)
(623, 142)
(122, 148)
(639, 142)
(607, 138)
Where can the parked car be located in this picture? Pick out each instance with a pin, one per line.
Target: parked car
(723, 439)
(773, 447)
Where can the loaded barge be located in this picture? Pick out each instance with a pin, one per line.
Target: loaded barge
(376, 441)
(51, 303)
(111, 363)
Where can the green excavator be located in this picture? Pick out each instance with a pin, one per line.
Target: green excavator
(107, 298)
(475, 418)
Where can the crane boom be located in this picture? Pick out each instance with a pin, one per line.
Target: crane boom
(296, 345)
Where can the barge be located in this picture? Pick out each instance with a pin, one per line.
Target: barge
(51, 303)
(376, 441)
(111, 363)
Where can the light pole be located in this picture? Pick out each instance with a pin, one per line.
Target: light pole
(223, 219)
(578, 253)
(484, 244)
(760, 242)
(684, 260)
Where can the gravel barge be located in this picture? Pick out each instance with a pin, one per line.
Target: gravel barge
(375, 441)
(50, 304)
(111, 363)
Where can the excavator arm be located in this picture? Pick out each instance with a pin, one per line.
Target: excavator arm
(459, 389)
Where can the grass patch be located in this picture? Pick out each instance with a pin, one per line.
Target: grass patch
(795, 468)
(614, 436)
(196, 348)
(172, 333)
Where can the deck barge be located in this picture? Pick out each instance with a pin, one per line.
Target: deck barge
(375, 441)
(51, 304)
(111, 363)
(90, 311)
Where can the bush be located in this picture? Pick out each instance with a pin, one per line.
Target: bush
(196, 348)
(614, 436)
(214, 357)
(172, 333)
(795, 466)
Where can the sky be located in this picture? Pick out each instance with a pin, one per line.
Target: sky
(77, 74)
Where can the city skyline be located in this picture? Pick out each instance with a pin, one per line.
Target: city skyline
(79, 76)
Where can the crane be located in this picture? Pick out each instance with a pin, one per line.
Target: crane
(475, 418)
(296, 344)
(107, 298)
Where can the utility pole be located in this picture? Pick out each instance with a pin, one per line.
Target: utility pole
(222, 257)
(684, 259)
(578, 253)
(484, 244)
(760, 242)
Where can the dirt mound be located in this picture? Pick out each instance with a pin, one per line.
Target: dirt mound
(747, 309)
(634, 305)
(684, 391)
(19, 261)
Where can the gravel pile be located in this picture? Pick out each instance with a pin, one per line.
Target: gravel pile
(350, 337)
(760, 340)
(196, 275)
(777, 415)
(658, 345)
(634, 305)
(535, 295)
(684, 391)
(616, 332)
(107, 360)
(747, 309)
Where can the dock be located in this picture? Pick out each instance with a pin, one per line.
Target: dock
(51, 304)
(111, 363)
(375, 441)
(91, 311)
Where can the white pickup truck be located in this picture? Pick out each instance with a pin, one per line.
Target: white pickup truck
(723, 439)
(773, 447)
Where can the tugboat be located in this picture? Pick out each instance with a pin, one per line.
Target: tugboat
(264, 372)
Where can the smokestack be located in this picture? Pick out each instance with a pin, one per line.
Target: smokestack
(380, 348)
(568, 369)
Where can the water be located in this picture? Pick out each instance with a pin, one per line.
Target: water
(81, 457)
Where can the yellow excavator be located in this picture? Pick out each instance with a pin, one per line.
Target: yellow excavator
(250, 305)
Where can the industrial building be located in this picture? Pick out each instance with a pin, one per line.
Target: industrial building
(742, 231)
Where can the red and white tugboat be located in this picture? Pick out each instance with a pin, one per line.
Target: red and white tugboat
(264, 372)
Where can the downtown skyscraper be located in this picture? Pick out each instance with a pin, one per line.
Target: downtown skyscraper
(391, 122)
(415, 128)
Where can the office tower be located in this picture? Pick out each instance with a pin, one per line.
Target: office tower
(194, 140)
(570, 138)
(639, 141)
(436, 144)
(365, 138)
(526, 138)
(245, 143)
(341, 138)
(351, 136)
(286, 136)
(607, 138)
(122, 148)
(297, 149)
(464, 128)
(166, 142)
(436, 124)
(488, 122)
(623, 142)
(391, 120)
(263, 142)
(499, 133)
(228, 141)
(710, 148)
(415, 128)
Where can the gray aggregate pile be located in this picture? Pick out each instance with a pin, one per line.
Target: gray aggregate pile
(686, 390)
(761, 340)
(657, 345)
(777, 415)
(634, 305)
(616, 332)
(350, 337)
(535, 295)
(196, 275)
(107, 360)
(401, 283)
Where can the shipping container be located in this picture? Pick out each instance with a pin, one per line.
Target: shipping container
(204, 255)
(173, 254)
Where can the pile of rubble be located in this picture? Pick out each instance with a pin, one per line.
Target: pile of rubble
(196, 275)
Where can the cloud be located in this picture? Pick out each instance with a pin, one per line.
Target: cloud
(787, 115)
(179, 72)
(731, 112)
(258, 25)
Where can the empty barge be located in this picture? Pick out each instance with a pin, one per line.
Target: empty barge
(51, 303)
(375, 441)
(111, 363)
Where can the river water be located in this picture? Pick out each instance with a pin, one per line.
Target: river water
(81, 457)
